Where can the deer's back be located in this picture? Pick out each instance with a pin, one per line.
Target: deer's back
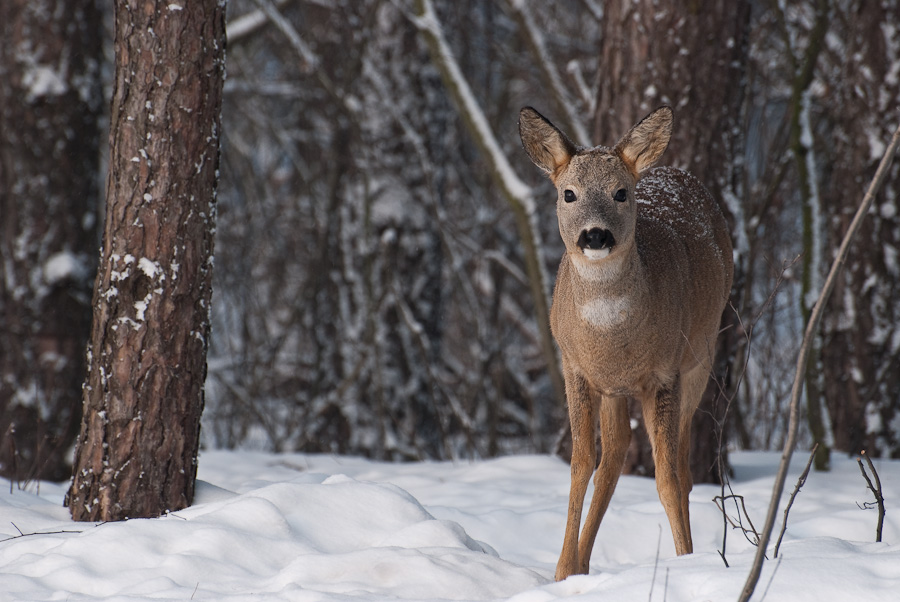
(677, 217)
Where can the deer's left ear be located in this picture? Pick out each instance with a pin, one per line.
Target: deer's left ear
(547, 146)
(645, 143)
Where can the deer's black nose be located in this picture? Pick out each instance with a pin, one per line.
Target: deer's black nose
(596, 239)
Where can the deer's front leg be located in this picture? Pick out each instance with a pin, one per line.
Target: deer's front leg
(615, 435)
(584, 457)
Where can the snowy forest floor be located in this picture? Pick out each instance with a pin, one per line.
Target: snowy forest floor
(323, 528)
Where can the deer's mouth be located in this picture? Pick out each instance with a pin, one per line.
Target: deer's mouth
(596, 243)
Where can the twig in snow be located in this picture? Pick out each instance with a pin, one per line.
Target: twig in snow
(21, 534)
(737, 523)
(812, 327)
(747, 329)
(800, 482)
(875, 489)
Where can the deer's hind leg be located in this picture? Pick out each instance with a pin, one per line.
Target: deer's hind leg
(615, 435)
(693, 385)
(663, 416)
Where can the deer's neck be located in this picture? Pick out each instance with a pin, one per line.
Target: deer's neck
(609, 293)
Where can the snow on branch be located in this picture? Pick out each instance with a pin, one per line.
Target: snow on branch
(517, 192)
(271, 13)
(310, 59)
(573, 122)
(243, 26)
(427, 23)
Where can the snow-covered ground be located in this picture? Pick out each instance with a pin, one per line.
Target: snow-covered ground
(322, 528)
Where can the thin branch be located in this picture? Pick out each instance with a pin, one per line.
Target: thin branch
(241, 27)
(812, 328)
(545, 63)
(875, 489)
(747, 329)
(737, 523)
(21, 535)
(587, 96)
(311, 62)
(800, 483)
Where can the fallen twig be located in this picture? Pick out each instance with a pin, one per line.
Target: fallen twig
(21, 534)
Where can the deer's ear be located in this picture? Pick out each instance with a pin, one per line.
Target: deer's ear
(645, 143)
(547, 146)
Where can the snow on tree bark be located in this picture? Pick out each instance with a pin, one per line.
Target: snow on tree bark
(137, 453)
(49, 135)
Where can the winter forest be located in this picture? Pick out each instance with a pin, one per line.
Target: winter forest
(385, 251)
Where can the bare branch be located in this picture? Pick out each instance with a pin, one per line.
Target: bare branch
(21, 534)
(311, 62)
(241, 27)
(738, 522)
(800, 483)
(564, 103)
(875, 489)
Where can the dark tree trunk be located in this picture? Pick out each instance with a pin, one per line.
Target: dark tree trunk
(49, 136)
(692, 58)
(137, 452)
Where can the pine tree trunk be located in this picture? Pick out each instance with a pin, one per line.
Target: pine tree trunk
(137, 452)
(692, 58)
(49, 136)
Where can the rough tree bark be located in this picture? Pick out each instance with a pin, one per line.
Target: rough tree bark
(692, 58)
(49, 135)
(137, 451)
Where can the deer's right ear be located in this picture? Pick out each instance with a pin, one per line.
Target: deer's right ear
(547, 146)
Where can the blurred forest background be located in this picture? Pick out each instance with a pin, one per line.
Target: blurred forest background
(373, 292)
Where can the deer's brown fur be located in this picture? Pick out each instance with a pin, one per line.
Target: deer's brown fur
(636, 311)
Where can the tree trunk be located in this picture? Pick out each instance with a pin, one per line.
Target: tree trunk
(655, 53)
(137, 452)
(49, 136)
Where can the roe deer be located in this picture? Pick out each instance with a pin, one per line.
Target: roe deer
(639, 295)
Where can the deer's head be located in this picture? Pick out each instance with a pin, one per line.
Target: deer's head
(596, 207)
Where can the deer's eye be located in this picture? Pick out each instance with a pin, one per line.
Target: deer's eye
(621, 195)
(569, 196)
